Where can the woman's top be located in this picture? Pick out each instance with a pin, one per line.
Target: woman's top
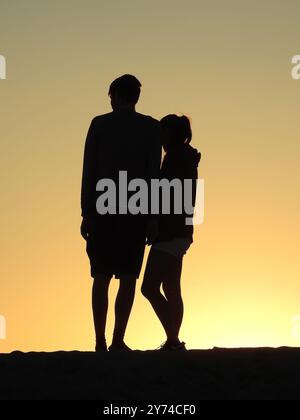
(180, 162)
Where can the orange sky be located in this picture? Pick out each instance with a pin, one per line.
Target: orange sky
(227, 66)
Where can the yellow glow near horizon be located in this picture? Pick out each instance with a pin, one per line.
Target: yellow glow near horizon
(225, 64)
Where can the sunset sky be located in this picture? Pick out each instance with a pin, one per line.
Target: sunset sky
(227, 65)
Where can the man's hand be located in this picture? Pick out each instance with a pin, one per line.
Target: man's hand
(152, 231)
(84, 229)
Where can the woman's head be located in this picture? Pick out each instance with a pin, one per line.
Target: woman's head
(178, 130)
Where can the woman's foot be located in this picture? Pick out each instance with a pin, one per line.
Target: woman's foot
(119, 347)
(173, 346)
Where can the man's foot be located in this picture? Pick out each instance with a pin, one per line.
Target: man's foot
(172, 346)
(101, 347)
(119, 347)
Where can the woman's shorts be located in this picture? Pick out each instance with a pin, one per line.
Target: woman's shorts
(176, 247)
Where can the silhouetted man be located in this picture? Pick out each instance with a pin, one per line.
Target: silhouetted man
(122, 140)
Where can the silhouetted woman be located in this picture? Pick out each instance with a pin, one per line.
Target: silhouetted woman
(164, 264)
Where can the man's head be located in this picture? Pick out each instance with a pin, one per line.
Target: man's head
(124, 92)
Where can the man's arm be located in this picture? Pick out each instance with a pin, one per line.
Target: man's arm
(155, 152)
(89, 174)
(153, 172)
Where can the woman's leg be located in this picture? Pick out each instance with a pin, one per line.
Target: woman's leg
(153, 278)
(172, 291)
(100, 307)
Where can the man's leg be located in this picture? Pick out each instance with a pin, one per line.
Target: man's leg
(100, 307)
(123, 307)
